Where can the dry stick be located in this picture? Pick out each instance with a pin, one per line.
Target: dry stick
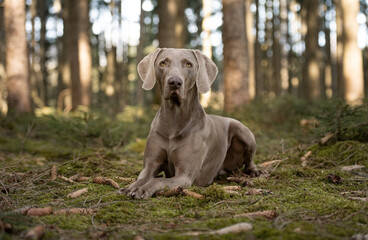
(236, 228)
(350, 156)
(270, 214)
(25, 137)
(66, 179)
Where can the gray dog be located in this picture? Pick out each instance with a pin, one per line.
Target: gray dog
(190, 146)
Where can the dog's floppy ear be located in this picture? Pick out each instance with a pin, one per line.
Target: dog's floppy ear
(207, 71)
(146, 70)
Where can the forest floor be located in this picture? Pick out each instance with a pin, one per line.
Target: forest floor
(309, 190)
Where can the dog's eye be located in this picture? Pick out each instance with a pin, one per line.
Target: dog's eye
(163, 64)
(188, 65)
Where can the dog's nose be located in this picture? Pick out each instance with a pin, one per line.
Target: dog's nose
(175, 82)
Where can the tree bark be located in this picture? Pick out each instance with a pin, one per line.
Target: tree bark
(249, 26)
(80, 54)
(311, 76)
(17, 57)
(236, 60)
(140, 55)
(43, 73)
(352, 61)
(258, 79)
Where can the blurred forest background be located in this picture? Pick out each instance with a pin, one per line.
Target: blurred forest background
(65, 53)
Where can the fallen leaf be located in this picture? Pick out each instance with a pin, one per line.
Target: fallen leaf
(335, 179)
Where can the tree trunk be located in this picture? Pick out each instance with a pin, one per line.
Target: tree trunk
(3, 105)
(206, 43)
(43, 73)
(16, 57)
(311, 76)
(236, 59)
(257, 59)
(167, 11)
(352, 62)
(339, 49)
(140, 55)
(171, 30)
(276, 56)
(80, 54)
(249, 26)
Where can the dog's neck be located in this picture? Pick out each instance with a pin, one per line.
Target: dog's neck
(176, 119)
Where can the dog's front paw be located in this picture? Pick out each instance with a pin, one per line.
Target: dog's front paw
(140, 193)
(253, 172)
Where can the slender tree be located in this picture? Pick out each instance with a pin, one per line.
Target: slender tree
(236, 59)
(352, 62)
(16, 57)
(311, 76)
(249, 21)
(80, 53)
(140, 55)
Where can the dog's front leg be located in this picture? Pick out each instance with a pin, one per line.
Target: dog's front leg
(154, 158)
(187, 165)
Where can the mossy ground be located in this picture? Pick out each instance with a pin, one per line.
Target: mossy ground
(308, 203)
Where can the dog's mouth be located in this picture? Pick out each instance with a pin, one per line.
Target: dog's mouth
(174, 96)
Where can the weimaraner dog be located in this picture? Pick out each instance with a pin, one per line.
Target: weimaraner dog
(188, 145)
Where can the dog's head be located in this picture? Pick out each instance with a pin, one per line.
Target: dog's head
(177, 71)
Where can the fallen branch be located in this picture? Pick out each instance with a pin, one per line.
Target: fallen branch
(72, 211)
(236, 228)
(77, 193)
(270, 214)
(35, 233)
(107, 181)
(37, 212)
(352, 167)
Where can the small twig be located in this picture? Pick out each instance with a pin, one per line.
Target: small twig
(350, 156)
(25, 137)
